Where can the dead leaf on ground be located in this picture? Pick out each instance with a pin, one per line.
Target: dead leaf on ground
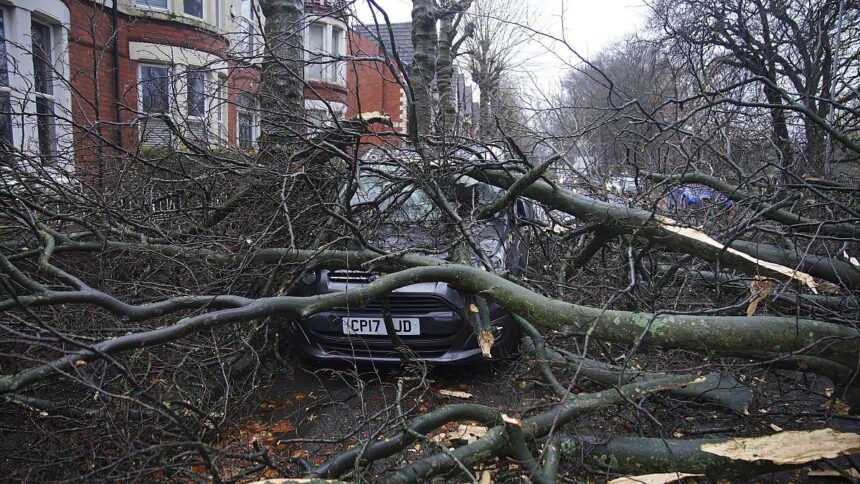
(282, 480)
(760, 289)
(485, 476)
(654, 478)
(283, 426)
(795, 447)
(454, 393)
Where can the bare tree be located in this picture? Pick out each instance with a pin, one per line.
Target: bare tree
(145, 301)
(499, 30)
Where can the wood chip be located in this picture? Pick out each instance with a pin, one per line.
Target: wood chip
(760, 289)
(511, 420)
(839, 475)
(654, 478)
(485, 341)
(455, 393)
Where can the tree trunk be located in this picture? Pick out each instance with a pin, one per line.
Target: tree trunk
(445, 70)
(281, 81)
(424, 41)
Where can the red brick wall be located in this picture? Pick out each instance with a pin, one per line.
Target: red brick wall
(371, 84)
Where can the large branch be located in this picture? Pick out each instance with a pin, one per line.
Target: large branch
(716, 387)
(661, 230)
(642, 455)
(760, 337)
(828, 268)
(493, 443)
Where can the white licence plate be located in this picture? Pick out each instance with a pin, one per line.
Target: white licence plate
(370, 325)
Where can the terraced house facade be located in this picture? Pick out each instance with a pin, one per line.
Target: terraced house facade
(80, 77)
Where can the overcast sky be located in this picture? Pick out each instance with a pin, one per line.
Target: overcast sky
(588, 26)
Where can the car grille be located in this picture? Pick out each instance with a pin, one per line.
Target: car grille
(381, 347)
(406, 303)
(350, 276)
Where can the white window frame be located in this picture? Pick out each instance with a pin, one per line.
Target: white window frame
(144, 4)
(18, 19)
(170, 88)
(49, 97)
(202, 10)
(333, 71)
(206, 96)
(220, 104)
(323, 107)
(255, 121)
(247, 30)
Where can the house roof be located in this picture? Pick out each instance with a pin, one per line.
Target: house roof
(402, 33)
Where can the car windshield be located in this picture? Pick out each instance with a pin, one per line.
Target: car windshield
(403, 202)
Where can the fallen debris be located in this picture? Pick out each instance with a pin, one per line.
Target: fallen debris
(794, 447)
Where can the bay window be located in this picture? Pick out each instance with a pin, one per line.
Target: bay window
(316, 50)
(35, 100)
(197, 128)
(337, 41)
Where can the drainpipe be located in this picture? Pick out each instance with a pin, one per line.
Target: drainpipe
(116, 99)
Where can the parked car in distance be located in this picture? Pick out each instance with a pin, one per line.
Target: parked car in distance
(428, 317)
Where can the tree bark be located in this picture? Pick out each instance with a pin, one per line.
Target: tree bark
(282, 98)
(424, 41)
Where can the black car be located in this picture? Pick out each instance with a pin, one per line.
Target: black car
(428, 317)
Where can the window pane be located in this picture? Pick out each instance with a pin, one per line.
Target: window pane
(219, 100)
(246, 102)
(5, 119)
(194, 8)
(154, 89)
(336, 35)
(42, 65)
(247, 40)
(4, 66)
(316, 67)
(196, 93)
(45, 126)
(159, 4)
(245, 131)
